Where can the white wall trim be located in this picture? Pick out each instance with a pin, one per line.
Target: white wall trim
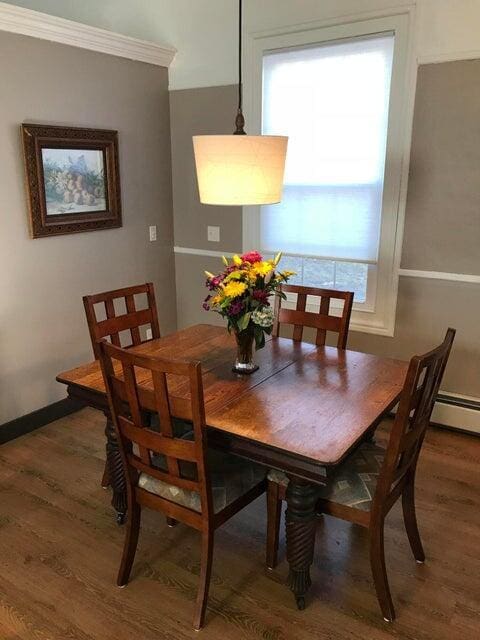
(41, 25)
(204, 252)
(440, 275)
(359, 16)
(448, 56)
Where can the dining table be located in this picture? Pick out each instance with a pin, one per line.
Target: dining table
(302, 412)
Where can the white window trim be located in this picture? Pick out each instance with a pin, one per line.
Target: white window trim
(380, 319)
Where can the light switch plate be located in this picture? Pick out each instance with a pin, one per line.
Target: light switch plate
(213, 234)
(153, 233)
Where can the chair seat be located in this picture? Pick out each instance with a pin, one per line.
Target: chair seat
(354, 483)
(230, 476)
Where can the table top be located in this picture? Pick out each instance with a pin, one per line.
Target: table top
(312, 402)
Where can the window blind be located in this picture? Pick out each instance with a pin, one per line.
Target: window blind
(332, 101)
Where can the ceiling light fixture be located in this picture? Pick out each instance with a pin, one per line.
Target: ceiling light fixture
(240, 169)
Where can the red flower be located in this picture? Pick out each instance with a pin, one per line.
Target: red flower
(261, 295)
(252, 257)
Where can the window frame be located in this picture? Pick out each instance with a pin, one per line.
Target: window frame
(377, 314)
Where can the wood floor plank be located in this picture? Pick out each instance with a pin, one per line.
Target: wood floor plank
(60, 550)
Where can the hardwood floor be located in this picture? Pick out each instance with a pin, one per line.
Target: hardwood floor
(60, 549)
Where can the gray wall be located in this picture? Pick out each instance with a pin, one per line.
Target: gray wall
(42, 325)
(200, 112)
(442, 231)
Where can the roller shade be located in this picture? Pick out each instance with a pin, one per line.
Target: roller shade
(332, 101)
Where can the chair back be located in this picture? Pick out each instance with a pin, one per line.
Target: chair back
(321, 321)
(417, 401)
(131, 320)
(138, 443)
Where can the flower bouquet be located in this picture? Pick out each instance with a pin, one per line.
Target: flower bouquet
(241, 294)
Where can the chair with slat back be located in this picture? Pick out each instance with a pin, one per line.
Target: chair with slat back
(321, 321)
(174, 475)
(113, 324)
(130, 321)
(364, 487)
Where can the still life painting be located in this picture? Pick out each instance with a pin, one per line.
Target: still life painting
(73, 179)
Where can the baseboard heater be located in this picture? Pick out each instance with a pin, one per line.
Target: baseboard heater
(457, 412)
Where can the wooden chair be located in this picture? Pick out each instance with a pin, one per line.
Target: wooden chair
(173, 475)
(322, 322)
(130, 321)
(363, 489)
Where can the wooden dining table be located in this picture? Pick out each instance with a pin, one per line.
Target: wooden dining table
(301, 412)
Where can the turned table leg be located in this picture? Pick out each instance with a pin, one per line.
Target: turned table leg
(116, 475)
(300, 528)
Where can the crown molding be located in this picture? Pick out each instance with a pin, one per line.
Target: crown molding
(46, 27)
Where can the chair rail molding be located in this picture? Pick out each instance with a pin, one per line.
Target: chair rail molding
(440, 275)
(46, 27)
(447, 56)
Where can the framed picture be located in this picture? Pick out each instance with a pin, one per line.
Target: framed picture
(73, 179)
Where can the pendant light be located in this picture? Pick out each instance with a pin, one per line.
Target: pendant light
(240, 169)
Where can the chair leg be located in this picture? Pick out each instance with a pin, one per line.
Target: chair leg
(205, 573)
(377, 562)
(410, 519)
(274, 514)
(106, 476)
(130, 545)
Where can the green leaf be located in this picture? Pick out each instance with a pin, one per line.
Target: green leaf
(235, 275)
(243, 321)
(259, 339)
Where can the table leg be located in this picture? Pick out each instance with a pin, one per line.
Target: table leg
(115, 473)
(300, 528)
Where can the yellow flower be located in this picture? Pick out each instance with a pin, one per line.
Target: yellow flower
(287, 274)
(234, 289)
(262, 268)
(216, 300)
(237, 260)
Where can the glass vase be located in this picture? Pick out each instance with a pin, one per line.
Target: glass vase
(244, 362)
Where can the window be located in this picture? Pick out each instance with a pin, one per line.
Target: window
(337, 93)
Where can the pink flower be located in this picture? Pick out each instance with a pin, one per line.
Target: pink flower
(214, 282)
(252, 257)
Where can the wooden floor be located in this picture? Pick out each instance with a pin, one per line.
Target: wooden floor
(60, 549)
